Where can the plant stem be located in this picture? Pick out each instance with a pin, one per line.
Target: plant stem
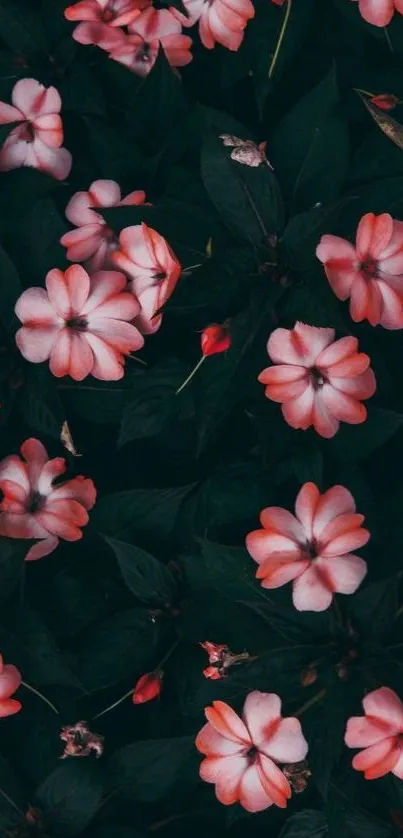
(310, 702)
(388, 40)
(39, 694)
(126, 695)
(189, 378)
(280, 38)
(398, 612)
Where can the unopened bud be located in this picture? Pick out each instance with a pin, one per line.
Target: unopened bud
(215, 339)
(385, 101)
(309, 676)
(148, 687)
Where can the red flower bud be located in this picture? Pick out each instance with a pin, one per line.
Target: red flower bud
(215, 338)
(385, 101)
(309, 676)
(213, 673)
(148, 687)
(215, 651)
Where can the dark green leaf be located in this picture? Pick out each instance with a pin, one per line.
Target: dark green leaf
(120, 647)
(309, 148)
(154, 403)
(248, 199)
(70, 797)
(21, 27)
(373, 608)
(325, 732)
(146, 770)
(139, 509)
(354, 442)
(12, 798)
(10, 290)
(12, 557)
(306, 824)
(26, 640)
(146, 577)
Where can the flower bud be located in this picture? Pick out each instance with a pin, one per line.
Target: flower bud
(385, 101)
(214, 673)
(215, 338)
(148, 687)
(309, 676)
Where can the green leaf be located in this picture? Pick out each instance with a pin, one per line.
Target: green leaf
(309, 823)
(160, 100)
(147, 578)
(146, 770)
(227, 569)
(309, 149)
(224, 378)
(10, 290)
(21, 189)
(70, 797)
(154, 403)
(40, 404)
(247, 199)
(304, 230)
(324, 729)
(21, 28)
(354, 442)
(373, 609)
(26, 640)
(119, 647)
(12, 558)
(12, 798)
(140, 510)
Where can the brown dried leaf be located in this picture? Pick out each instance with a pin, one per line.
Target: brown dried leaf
(390, 127)
(67, 440)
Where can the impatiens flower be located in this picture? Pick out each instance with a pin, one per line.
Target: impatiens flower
(246, 151)
(371, 273)
(149, 686)
(37, 139)
(32, 507)
(242, 754)
(379, 12)
(221, 659)
(153, 269)
(380, 733)
(81, 324)
(317, 380)
(10, 680)
(93, 241)
(313, 549)
(101, 20)
(154, 28)
(220, 21)
(215, 339)
(80, 741)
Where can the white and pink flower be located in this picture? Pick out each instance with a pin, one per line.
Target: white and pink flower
(81, 324)
(32, 507)
(154, 28)
(93, 241)
(37, 139)
(220, 21)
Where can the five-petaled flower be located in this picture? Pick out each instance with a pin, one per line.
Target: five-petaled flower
(242, 754)
(10, 680)
(154, 28)
(100, 21)
(37, 139)
(311, 548)
(318, 380)
(371, 273)
(379, 12)
(220, 21)
(93, 241)
(33, 507)
(145, 256)
(379, 733)
(80, 323)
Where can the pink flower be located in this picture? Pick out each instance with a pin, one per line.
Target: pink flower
(317, 380)
(32, 507)
(154, 28)
(220, 21)
(379, 12)
(379, 732)
(37, 141)
(371, 273)
(81, 324)
(102, 19)
(10, 680)
(242, 754)
(312, 548)
(93, 242)
(153, 268)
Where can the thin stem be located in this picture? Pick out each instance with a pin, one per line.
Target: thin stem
(365, 92)
(388, 40)
(42, 697)
(189, 378)
(139, 360)
(11, 802)
(399, 612)
(191, 267)
(337, 613)
(311, 702)
(112, 706)
(280, 38)
(126, 695)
